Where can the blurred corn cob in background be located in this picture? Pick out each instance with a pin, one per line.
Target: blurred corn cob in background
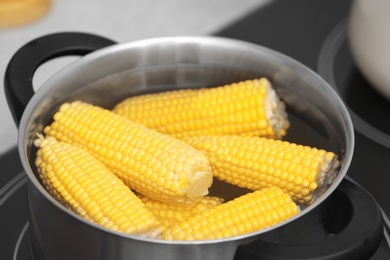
(248, 213)
(170, 214)
(249, 107)
(84, 185)
(255, 163)
(153, 164)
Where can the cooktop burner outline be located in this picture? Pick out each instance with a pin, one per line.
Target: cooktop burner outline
(325, 67)
(12, 186)
(7, 191)
(22, 233)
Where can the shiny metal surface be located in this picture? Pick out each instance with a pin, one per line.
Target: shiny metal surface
(108, 75)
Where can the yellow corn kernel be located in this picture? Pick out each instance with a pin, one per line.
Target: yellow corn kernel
(170, 214)
(250, 212)
(84, 185)
(256, 163)
(249, 107)
(154, 164)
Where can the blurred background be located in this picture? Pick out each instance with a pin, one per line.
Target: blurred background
(119, 20)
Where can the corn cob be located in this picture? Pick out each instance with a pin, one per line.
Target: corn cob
(151, 163)
(303, 172)
(245, 108)
(84, 185)
(170, 214)
(250, 212)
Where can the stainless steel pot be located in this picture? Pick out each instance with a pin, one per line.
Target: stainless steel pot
(104, 77)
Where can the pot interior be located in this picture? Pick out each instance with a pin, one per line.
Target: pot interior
(317, 115)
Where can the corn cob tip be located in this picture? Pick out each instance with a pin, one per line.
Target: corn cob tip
(275, 110)
(327, 175)
(153, 233)
(199, 185)
(41, 141)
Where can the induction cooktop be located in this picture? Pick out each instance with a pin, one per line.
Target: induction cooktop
(312, 32)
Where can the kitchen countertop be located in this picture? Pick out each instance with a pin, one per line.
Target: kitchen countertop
(119, 20)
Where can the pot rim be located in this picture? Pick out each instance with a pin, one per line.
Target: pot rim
(214, 40)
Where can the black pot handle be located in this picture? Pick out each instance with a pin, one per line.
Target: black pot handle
(22, 66)
(359, 238)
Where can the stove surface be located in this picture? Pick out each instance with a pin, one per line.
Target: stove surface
(302, 29)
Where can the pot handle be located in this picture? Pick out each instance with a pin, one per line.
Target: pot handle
(22, 66)
(355, 236)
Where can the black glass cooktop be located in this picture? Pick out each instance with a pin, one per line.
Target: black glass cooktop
(312, 32)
